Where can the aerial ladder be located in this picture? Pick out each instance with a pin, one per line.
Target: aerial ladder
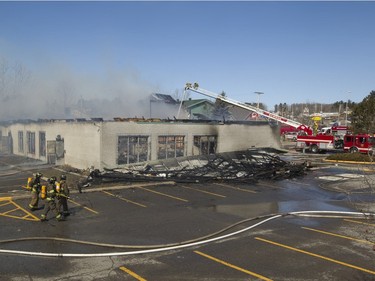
(194, 87)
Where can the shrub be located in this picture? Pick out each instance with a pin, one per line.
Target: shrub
(356, 157)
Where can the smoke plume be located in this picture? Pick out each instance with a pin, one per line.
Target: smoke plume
(60, 92)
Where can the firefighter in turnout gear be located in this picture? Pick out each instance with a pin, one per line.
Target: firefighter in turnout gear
(34, 185)
(63, 196)
(50, 201)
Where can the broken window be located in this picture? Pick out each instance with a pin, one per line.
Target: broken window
(171, 146)
(42, 143)
(204, 145)
(132, 149)
(30, 142)
(20, 141)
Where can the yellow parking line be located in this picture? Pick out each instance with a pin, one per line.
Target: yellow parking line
(26, 217)
(167, 195)
(317, 256)
(203, 191)
(337, 235)
(233, 266)
(5, 198)
(124, 199)
(135, 275)
(235, 188)
(361, 222)
(87, 208)
(26, 211)
(5, 213)
(5, 203)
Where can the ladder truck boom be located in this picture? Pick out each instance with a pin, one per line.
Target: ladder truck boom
(301, 127)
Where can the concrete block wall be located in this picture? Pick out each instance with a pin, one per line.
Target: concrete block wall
(112, 130)
(82, 144)
(95, 144)
(234, 137)
(81, 141)
(229, 136)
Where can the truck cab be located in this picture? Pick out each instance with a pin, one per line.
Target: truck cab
(363, 143)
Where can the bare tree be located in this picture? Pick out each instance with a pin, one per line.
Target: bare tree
(13, 81)
(66, 96)
(4, 70)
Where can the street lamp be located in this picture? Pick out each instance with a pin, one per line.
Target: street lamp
(346, 111)
(258, 93)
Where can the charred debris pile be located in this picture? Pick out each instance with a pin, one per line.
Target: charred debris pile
(241, 166)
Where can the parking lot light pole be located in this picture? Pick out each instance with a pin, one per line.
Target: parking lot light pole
(258, 93)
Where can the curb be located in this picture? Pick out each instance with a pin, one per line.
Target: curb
(349, 162)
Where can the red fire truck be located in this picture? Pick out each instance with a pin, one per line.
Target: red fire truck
(319, 143)
(363, 143)
(305, 139)
(331, 138)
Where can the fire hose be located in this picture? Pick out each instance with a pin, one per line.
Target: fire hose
(145, 249)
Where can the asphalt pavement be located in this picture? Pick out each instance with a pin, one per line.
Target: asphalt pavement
(315, 227)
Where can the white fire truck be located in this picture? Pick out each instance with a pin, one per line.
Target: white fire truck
(305, 140)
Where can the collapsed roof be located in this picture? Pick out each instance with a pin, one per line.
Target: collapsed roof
(240, 166)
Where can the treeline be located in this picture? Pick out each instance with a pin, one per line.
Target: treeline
(299, 109)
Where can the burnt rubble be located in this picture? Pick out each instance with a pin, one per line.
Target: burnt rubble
(242, 166)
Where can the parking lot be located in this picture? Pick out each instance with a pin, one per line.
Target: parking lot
(215, 231)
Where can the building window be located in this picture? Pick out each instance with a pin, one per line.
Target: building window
(20, 141)
(30, 142)
(171, 146)
(42, 143)
(205, 144)
(132, 149)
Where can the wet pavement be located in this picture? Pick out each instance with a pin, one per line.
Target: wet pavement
(167, 231)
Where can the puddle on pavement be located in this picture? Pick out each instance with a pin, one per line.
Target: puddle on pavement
(245, 210)
(251, 209)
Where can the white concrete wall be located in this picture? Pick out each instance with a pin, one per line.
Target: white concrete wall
(230, 137)
(241, 137)
(96, 143)
(112, 130)
(81, 141)
(32, 127)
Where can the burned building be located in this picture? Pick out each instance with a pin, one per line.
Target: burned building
(82, 143)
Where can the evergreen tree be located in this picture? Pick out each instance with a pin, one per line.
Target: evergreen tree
(363, 115)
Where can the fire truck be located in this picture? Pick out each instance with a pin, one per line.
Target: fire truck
(329, 138)
(362, 143)
(305, 140)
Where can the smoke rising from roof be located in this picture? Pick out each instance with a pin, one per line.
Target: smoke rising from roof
(61, 92)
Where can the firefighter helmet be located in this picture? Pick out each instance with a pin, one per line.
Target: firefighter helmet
(51, 180)
(38, 175)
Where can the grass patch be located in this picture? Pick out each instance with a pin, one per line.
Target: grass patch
(356, 157)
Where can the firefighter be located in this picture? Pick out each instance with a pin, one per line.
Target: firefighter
(62, 196)
(35, 186)
(50, 201)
